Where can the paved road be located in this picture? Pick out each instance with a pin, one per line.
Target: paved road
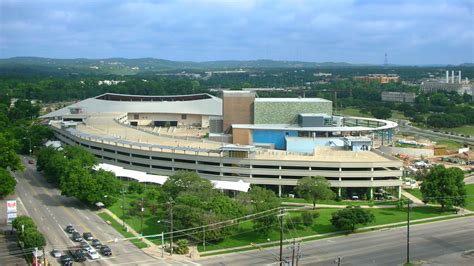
(52, 212)
(439, 243)
(431, 134)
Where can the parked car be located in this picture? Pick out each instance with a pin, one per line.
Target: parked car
(65, 259)
(96, 243)
(31, 161)
(79, 255)
(93, 254)
(85, 246)
(76, 237)
(70, 229)
(106, 251)
(355, 197)
(388, 196)
(56, 253)
(88, 236)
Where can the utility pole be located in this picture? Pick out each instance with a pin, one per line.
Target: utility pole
(36, 256)
(204, 238)
(162, 245)
(408, 233)
(141, 217)
(281, 237)
(293, 253)
(44, 257)
(123, 207)
(170, 202)
(298, 254)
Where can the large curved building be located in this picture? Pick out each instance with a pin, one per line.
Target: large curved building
(271, 142)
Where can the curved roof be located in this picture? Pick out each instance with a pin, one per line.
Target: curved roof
(197, 104)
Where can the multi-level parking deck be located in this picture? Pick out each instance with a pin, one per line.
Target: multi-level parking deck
(112, 142)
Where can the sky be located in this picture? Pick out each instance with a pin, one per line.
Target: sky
(411, 32)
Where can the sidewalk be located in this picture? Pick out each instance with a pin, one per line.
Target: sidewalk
(153, 249)
(288, 241)
(411, 197)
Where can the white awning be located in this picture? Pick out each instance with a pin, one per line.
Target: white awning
(158, 179)
(230, 185)
(136, 175)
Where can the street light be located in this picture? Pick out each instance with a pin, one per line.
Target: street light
(163, 238)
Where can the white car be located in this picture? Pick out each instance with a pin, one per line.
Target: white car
(93, 254)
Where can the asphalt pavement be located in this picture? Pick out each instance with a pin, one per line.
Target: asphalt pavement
(448, 242)
(53, 212)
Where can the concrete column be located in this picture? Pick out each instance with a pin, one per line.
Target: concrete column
(399, 192)
(279, 191)
(371, 193)
(339, 192)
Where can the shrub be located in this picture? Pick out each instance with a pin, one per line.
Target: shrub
(182, 247)
(308, 217)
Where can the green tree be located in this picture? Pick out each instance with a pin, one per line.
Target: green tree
(8, 156)
(7, 183)
(445, 186)
(313, 188)
(350, 217)
(136, 187)
(185, 181)
(33, 238)
(381, 112)
(78, 153)
(24, 220)
(257, 200)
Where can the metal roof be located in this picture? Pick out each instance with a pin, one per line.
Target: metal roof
(209, 106)
(284, 100)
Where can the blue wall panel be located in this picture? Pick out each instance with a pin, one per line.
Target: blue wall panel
(307, 145)
(276, 137)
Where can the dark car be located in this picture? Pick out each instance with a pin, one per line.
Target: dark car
(70, 229)
(96, 243)
(65, 259)
(76, 237)
(79, 255)
(84, 245)
(106, 251)
(88, 236)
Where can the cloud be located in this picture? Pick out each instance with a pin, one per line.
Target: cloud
(311, 30)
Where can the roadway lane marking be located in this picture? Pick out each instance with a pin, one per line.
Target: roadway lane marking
(142, 261)
(23, 205)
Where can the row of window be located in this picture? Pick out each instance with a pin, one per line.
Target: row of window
(224, 164)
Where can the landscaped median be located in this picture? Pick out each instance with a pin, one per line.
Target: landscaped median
(419, 215)
(108, 219)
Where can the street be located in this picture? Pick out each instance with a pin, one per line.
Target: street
(53, 212)
(439, 243)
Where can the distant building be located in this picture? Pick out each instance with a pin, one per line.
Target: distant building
(381, 78)
(401, 97)
(450, 84)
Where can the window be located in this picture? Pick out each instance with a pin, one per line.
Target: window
(136, 116)
(184, 117)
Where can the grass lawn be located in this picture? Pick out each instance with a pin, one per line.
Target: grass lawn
(342, 202)
(247, 234)
(120, 229)
(150, 222)
(450, 144)
(415, 192)
(352, 111)
(470, 198)
(465, 130)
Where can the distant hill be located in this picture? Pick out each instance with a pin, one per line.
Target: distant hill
(124, 66)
